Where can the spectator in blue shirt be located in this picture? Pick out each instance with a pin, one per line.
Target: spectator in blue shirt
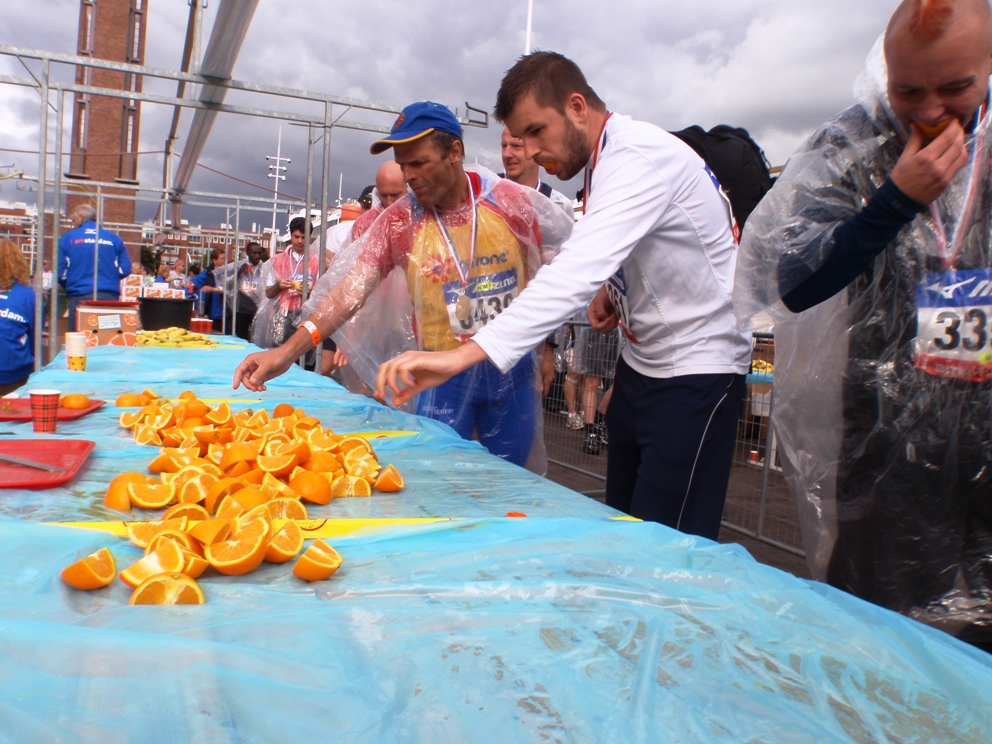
(17, 303)
(214, 297)
(77, 273)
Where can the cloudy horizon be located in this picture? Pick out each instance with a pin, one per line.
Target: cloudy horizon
(778, 68)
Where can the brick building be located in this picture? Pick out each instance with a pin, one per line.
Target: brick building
(105, 130)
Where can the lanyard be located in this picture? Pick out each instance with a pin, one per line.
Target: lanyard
(299, 261)
(950, 256)
(600, 145)
(462, 269)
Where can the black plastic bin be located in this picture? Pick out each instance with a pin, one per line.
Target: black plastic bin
(157, 313)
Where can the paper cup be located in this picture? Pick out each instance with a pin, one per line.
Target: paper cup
(44, 409)
(75, 351)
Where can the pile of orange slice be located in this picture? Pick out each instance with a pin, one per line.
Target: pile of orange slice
(178, 550)
(229, 463)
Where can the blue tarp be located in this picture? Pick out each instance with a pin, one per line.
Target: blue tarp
(565, 626)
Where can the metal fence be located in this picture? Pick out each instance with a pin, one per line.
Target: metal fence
(758, 504)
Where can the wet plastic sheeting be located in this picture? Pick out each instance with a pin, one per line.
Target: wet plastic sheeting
(446, 476)
(514, 630)
(565, 626)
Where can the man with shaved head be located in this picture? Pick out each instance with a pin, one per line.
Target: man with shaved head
(389, 187)
(874, 249)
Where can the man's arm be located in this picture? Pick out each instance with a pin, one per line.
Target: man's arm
(342, 301)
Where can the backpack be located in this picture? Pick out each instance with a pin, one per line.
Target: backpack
(737, 162)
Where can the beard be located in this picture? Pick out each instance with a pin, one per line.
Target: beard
(577, 152)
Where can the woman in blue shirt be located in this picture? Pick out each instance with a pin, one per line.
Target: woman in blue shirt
(17, 302)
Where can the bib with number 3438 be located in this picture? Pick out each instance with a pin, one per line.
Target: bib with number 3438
(954, 325)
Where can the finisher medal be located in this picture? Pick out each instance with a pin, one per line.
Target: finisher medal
(463, 307)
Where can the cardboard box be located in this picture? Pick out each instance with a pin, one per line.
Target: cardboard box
(131, 292)
(111, 323)
(176, 294)
(132, 280)
(156, 291)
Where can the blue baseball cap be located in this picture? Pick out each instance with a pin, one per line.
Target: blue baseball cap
(418, 120)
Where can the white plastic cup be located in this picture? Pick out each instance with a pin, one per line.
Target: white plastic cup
(75, 351)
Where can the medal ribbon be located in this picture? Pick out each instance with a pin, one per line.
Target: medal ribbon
(600, 146)
(950, 257)
(462, 270)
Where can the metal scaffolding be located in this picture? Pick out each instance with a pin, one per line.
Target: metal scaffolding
(336, 113)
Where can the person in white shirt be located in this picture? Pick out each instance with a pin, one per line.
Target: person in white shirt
(46, 286)
(655, 253)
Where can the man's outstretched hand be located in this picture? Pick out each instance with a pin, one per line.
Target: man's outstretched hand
(412, 372)
(260, 367)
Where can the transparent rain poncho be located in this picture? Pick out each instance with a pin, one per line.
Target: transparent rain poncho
(278, 317)
(415, 293)
(882, 394)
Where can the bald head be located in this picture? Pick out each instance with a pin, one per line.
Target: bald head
(939, 58)
(389, 182)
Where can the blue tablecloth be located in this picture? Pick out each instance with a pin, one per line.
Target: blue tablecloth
(565, 626)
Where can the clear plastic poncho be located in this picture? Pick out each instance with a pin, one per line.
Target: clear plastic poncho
(883, 419)
(423, 286)
(278, 317)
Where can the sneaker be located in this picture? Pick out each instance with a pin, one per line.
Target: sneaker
(603, 439)
(591, 445)
(575, 421)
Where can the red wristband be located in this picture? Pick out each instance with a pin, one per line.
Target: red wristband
(314, 333)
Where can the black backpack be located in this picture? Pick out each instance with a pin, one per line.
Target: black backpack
(737, 162)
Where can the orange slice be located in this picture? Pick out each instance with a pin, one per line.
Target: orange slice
(130, 419)
(192, 512)
(350, 485)
(283, 508)
(258, 419)
(172, 437)
(318, 562)
(311, 487)
(285, 545)
(321, 462)
(187, 395)
(211, 435)
(236, 453)
(92, 572)
(281, 410)
(359, 463)
(141, 533)
(196, 408)
(306, 422)
(250, 497)
(182, 538)
(389, 480)
(254, 477)
(195, 565)
(239, 469)
(151, 495)
(275, 488)
(277, 464)
(167, 589)
(297, 447)
(117, 496)
(220, 416)
(229, 508)
(144, 434)
(223, 487)
(149, 394)
(196, 489)
(166, 464)
(211, 530)
(166, 558)
(349, 443)
(241, 552)
(130, 400)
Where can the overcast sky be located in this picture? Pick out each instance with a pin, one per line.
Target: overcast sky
(776, 67)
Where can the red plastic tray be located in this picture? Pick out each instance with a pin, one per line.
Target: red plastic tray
(19, 409)
(68, 454)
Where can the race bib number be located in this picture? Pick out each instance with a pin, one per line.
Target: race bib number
(954, 337)
(471, 307)
(249, 287)
(616, 290)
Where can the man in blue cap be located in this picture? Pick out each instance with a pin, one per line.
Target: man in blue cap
(466, 244)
